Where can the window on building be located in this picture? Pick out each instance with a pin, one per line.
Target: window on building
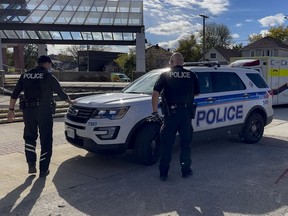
(252, 53)
(212, 55)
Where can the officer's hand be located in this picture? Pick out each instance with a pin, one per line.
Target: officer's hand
(155, 118)
(11, 115)
(69, 101)
(155, 113)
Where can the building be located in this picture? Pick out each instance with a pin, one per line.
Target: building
(267, 46)
(221, 55)
(98, 61)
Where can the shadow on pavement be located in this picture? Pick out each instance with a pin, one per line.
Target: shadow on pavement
(26, 204)
(228, 177)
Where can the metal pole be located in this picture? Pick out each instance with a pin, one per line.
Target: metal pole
(204, 39)
(88, 64)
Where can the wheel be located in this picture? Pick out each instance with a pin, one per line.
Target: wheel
(253, 129)
(147, 144)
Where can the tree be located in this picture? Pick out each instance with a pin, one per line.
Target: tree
(279, 32)
(254, 37)
(73, 50)
(217, 35)
(237, 46)
(127, 63)
(156, 57)
(189, 48)
(30, 55)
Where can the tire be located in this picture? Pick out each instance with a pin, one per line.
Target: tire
(147, 144)
(253, 129)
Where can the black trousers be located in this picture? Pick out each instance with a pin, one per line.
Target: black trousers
(179, 121)
(38, 118)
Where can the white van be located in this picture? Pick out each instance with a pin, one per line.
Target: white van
(234, 101)
(273, 69)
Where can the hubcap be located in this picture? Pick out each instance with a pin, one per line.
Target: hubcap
(254, 130)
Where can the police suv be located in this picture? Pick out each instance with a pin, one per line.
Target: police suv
(231, 100)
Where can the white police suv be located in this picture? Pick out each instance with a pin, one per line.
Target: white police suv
(231, 100)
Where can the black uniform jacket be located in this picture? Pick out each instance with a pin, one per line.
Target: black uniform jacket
(38, 84)
(179, 85)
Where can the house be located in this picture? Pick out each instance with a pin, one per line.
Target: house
(222, 55)
(267, 46)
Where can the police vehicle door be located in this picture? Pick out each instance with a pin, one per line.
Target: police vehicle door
(228, 102)
(207, 103)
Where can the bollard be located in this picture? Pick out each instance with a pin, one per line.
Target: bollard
(2, 80)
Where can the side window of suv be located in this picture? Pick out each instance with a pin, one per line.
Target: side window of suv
(205, 82)
(257, 80)
(226, 81)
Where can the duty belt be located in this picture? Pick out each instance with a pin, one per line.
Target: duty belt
(25, 103)
(180, 105)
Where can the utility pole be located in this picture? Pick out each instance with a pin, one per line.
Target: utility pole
(204, 39)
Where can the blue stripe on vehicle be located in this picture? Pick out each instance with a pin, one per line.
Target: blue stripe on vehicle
(230, 98)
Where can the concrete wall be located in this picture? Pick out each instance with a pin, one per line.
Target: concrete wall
(83, 76)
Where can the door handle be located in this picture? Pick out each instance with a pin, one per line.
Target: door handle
(210, 100)
(245, 95)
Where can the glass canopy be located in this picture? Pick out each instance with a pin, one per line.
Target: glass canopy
(71, 21)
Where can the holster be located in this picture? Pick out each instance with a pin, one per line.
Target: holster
(165, 108)
(194, 107)
(53, 106)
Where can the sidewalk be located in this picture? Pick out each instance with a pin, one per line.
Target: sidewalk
(81, 183)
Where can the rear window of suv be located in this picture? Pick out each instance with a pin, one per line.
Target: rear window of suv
(257, 80)
(219, 82)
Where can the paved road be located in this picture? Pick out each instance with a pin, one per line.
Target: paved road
(230, 178)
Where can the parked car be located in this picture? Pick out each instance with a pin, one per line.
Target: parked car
(232, 100)
(119, 77)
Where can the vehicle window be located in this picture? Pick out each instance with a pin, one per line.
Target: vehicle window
(205, 82)
(226, 81)
(257, 80)
(143, 85)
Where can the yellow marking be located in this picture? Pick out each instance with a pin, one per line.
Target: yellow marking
(281, 72)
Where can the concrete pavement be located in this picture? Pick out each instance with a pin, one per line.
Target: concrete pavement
(230, 178)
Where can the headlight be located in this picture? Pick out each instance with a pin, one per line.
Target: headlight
(110, 113)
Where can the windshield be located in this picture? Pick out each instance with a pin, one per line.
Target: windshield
(144, 84)
(122, 76)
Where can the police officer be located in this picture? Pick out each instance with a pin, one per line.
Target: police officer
(38, 85)
(178, 88)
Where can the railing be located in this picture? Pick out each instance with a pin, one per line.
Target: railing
(61, 110)
(11, 69)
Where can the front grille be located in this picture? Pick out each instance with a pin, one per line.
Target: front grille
(80, 114)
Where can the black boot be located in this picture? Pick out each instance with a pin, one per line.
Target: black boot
(32, 168)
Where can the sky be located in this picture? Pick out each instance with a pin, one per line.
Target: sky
(168, 21)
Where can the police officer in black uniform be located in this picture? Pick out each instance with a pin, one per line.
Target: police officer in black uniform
(178, 88)
(38, 85)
